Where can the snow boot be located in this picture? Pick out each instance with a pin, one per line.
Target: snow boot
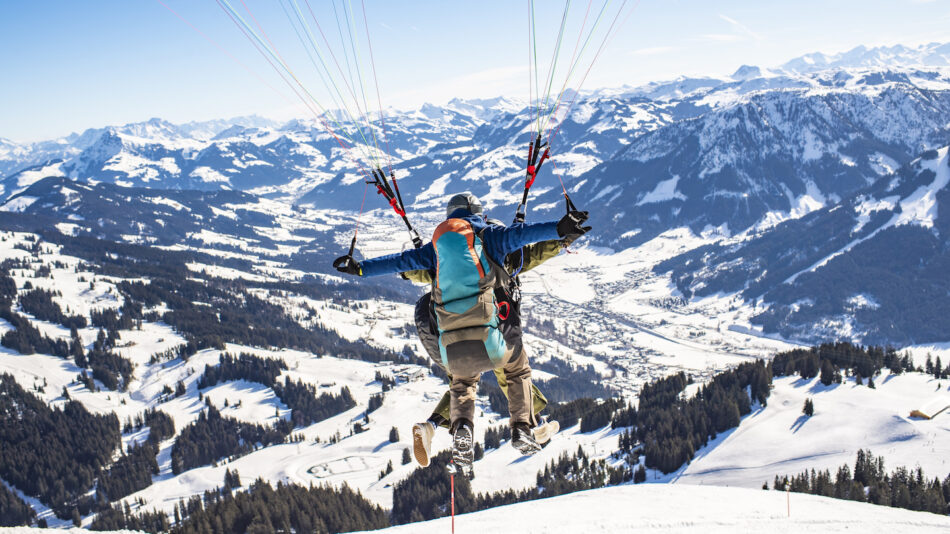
(422, 442)
(545, 431)
(523, 439)
(463, 449)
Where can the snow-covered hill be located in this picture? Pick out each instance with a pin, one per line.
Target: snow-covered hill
(689, 181)
(668, 509)
(778, 440)
(687, 509)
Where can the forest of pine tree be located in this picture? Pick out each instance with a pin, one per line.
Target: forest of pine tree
(305, 405)
(263, 508)
(421, 496)
(40, 303)
(13, 511)
(53, 454)
(212, 437)
(671, 429)
(869, 482)
(132, 472)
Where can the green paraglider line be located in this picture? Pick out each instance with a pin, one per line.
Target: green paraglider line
(342, 105)
(248, 32)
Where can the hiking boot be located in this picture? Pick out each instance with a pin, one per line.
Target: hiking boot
(544, 432)
(422, 442)
(463, 449)
(523, 439)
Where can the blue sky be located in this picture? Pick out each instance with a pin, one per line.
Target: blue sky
(68, 65)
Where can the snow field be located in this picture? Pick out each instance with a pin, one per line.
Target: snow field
(778, 440)
(685, 509)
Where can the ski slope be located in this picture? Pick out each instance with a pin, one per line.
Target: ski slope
(689, 509)
(778, 440)
(668, 509)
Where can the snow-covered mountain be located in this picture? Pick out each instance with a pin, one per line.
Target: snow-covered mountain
(721, 158)
(702, 153)
(928, 55)
(871, 267)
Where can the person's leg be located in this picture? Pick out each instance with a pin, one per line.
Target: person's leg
(462, 394)
(520, 402)
(462, 408)
(538, 400)
(442, 414)
(423, 432)
(517, 373)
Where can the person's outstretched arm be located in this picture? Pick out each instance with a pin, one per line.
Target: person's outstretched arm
(537, 253)
(410, 260)
(502, 240)
(505, 240)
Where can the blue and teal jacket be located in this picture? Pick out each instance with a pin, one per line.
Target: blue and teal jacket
(499, 242)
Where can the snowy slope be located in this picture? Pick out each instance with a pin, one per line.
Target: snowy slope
(668, 509)
(835, 273)
(778, 440)
(688, 509)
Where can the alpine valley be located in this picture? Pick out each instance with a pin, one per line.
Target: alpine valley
(177, 348)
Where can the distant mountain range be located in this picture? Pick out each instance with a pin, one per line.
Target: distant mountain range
(729, 158)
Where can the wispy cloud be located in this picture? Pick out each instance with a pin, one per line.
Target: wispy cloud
(721, 37)
(653, 50)
(740, 27)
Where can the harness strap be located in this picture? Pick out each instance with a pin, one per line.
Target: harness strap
(392, 195)
(532, 168)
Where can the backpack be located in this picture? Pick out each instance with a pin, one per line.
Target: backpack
(463, 296)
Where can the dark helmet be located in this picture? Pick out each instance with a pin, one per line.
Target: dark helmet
(465, 201)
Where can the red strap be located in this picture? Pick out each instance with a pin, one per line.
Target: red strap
(395, 205)
(533, 175)
(506, 307)
(392, 201)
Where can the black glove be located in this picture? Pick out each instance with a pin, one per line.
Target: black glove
(568, 240)
(569, 227)
(347, 265)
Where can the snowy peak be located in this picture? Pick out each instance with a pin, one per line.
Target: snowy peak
(897, 56)
(485, 109)
(747, 72)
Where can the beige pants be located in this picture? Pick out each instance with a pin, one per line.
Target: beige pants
(463, 390)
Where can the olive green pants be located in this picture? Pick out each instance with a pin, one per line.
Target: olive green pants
(465, 388)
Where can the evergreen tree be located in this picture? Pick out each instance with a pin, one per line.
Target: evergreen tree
(640, 475)
(393, 435)
(827, 372)
(809, 408)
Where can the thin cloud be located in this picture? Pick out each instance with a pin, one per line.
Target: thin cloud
(742, 28)
(721, 37)
(653, 50)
